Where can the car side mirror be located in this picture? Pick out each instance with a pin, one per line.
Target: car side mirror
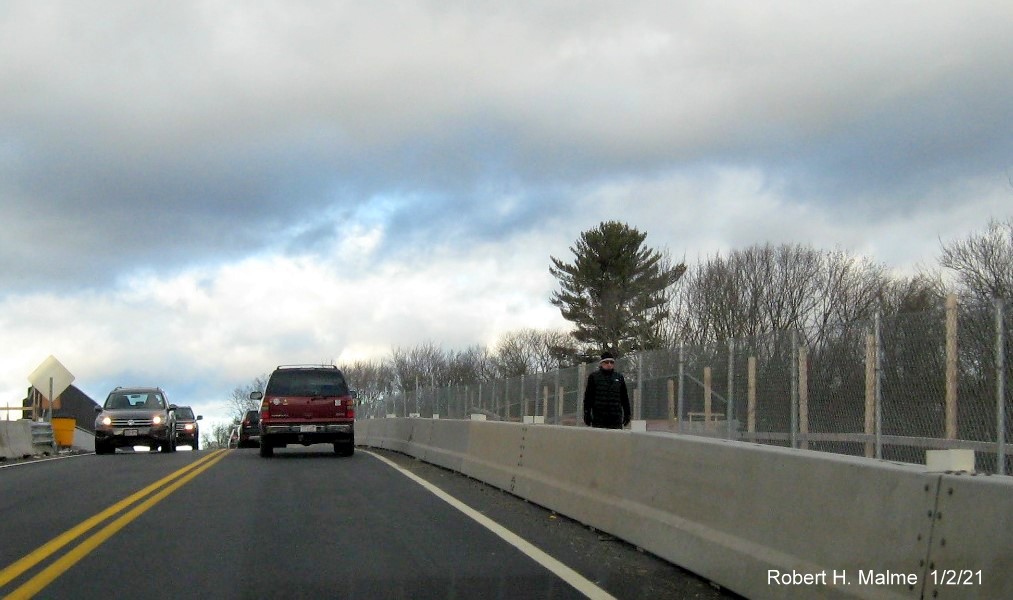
(173, 407)
(199, 417)
(354, 394)
(98, 409)
(256, 396)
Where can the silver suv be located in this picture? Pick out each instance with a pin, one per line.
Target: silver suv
(136, 416)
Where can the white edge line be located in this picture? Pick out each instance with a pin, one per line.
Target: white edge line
(575, 579)
(36, 461)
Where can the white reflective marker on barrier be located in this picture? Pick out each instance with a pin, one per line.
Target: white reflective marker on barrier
(949, 460)
(638, 426)
(477, 417)
(534, 420)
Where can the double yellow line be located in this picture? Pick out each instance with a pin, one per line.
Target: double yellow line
(57, 568)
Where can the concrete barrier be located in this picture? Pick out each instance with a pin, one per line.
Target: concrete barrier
(16, 439)
(447, 444)
(762, 521)
(83, 439)
(734, 513)
(495, 451)
(971, 540)
(390, 434)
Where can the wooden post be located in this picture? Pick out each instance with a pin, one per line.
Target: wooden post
(951, 367)
(751, 408)
(560, 391)
(706, 397)
(870, 391)
(803, 394)
(638, 395)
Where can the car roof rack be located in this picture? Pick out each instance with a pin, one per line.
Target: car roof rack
(318, 366)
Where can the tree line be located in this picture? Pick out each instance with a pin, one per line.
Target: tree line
(623, 296)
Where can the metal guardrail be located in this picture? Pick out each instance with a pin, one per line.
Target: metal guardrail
(42, 434)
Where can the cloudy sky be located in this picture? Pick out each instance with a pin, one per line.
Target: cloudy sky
(194, 192)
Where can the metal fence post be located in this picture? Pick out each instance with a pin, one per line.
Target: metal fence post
(581, 388)
(1000, 386)
(681, 398)
(559, 401)
(794, 389)
(731, 387)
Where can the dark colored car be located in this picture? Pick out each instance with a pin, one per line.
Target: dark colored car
(140, 416)
(307, 405)
(249, 430)
(187, 429)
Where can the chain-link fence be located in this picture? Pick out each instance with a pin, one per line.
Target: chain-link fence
(889, 388)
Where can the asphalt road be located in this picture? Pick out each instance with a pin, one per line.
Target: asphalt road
(304, 524)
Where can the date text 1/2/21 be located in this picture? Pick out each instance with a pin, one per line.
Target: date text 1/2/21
(955, 577)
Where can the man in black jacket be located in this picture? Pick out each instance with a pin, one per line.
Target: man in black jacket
(606, 399)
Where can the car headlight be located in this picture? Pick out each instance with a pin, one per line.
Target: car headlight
(107, 421)
(157, 420)
(188, 427)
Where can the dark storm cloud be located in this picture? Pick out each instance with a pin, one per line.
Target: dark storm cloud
(153, 136)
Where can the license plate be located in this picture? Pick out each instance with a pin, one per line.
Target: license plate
(129, 432)
(307, 429)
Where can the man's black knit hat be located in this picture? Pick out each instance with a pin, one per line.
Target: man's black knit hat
(607, 355)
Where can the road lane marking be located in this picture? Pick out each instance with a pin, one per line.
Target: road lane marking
(44, 551)
(36, 461)
(36, 584)
(575, 579)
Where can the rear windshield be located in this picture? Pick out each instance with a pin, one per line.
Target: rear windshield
(184, 413)
(329, 382)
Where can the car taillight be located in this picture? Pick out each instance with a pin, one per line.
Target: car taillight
(350, 408)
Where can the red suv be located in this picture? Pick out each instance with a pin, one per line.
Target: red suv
(306, 405)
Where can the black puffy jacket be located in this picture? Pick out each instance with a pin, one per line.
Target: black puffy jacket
(606, 400)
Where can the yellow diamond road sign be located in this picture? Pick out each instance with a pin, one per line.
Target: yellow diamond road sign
(50, 369)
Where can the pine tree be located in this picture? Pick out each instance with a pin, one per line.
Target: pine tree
(616, 291)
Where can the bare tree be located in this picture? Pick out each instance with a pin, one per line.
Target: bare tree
(981, 263)
(529, 350)
(775, 288)
(512, 355)
(470, 365)
(373, 380)
(919, 293)
(218, 437)
(424, 364)
(239, 400)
